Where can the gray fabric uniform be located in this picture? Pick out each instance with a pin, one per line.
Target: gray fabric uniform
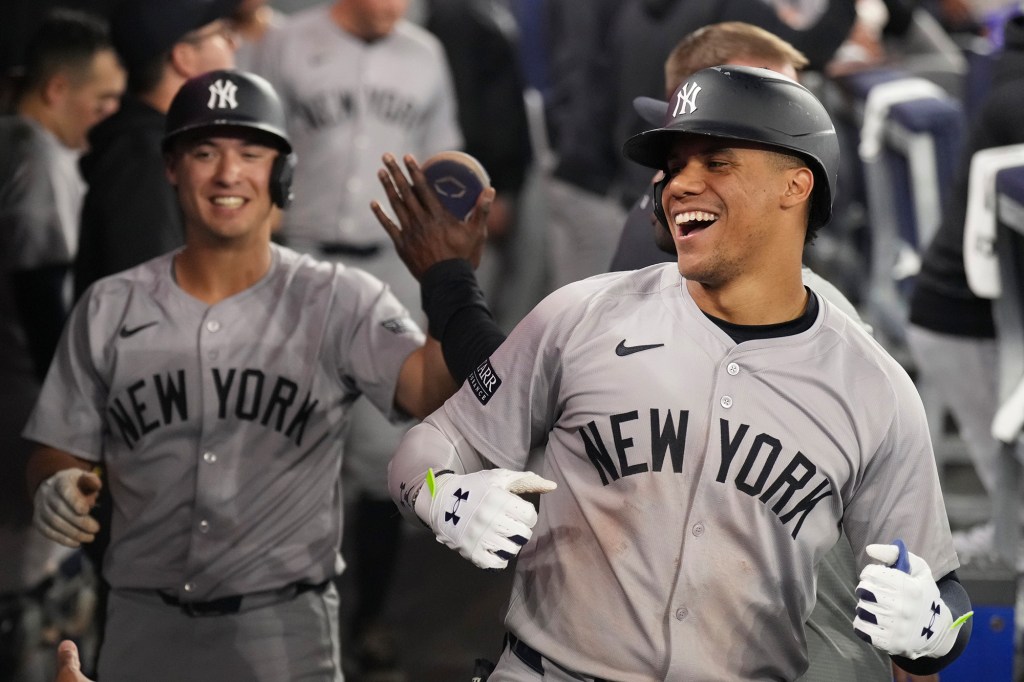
(219, 430)
(348, 102)
(744, 458)
(40, 195)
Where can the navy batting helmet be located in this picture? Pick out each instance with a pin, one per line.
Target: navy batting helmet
(756, 105)
(234, 99)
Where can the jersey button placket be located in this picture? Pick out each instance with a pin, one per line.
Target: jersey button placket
(732, 369)
(208, 475)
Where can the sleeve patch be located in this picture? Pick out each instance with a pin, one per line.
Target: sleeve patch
(484, 381)
(398, 325)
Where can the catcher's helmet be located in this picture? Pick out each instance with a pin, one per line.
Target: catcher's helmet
(757, 105)
(234, 99)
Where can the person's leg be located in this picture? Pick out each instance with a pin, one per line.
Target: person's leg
(296, 639)
(962, 371)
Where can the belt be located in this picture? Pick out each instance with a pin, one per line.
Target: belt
(225, 606)
(532, 658)
(355, 250)
(330, 248)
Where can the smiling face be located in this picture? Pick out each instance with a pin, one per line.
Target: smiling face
(223, 185)
(733, 208)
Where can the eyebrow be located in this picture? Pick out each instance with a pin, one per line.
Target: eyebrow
(724, 150)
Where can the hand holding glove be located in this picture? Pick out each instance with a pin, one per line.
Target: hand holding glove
(481, 515)
(62, 504)
(900, 610)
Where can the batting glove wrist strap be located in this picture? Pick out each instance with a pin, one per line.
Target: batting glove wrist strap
(62, 504)
(481, 515)
(902, 613)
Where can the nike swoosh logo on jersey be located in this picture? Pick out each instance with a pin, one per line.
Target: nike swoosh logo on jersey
(126, 332)
(623, 350)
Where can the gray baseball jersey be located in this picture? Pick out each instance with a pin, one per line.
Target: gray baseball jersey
(219, 425)
(348, 102)
(700, 482)
(41, 195)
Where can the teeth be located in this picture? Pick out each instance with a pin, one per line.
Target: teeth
(691, 216)
(230, 202)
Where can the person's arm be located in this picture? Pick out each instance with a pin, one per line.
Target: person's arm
(955, 597)
(436, 476)
(64, 488)
(424, 382)
(923, 624)
(441, 252)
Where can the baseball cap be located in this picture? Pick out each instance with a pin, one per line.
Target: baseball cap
(143, 29)
(650, 109)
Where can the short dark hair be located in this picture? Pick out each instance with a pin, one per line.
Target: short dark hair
(67, 40)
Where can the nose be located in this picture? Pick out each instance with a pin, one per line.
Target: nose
(688, 180)
(228, 169)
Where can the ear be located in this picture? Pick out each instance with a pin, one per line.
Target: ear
(799, 185)
(56, 88)
(183, 60)
(171, 170)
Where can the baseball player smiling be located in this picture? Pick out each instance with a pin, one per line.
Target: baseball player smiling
(214, 383)
(710, 429)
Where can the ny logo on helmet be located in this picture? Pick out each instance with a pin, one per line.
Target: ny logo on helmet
(222, 95)
(686, 99)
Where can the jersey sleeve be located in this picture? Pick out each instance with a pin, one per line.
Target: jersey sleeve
(376, 341)
(30, 230)
(509, 403)
(69, 412)
(899, 494)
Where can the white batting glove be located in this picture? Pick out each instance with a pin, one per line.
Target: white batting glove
(900, 611)
(62, 504)
(481, 515)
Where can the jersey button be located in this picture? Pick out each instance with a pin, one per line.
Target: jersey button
(204, 526)
(213, 326)
(213, 355)
(682, 613)
(190, 587)
(726, 402)
(733, 369)
(209, 457)
(698, 529)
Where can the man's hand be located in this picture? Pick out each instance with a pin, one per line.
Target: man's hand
(901, 612)
(62, 504)
(428, 233)
(481, 515)
(69, 668)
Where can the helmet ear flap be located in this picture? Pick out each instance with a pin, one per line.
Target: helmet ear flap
(281, 175)
(657, 189)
